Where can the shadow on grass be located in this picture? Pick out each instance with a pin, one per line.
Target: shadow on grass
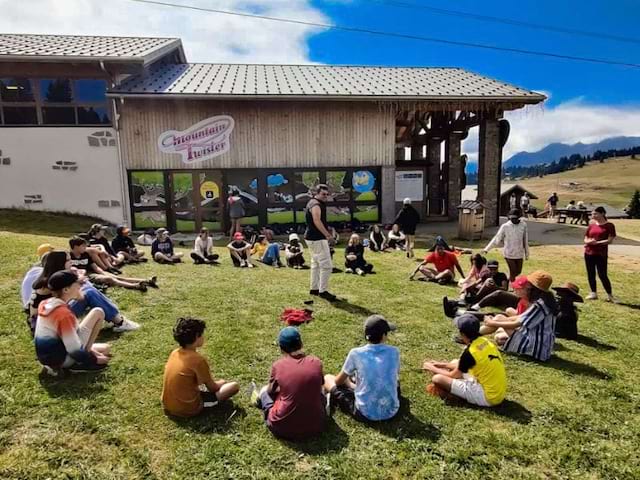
(569, 366)
(212, 420)
(593, 343)
(508, 409)
(332, 440)
(633, 306)
(406, 425)
(352, 308)
(70, 385)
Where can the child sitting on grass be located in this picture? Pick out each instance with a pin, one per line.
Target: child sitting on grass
(162, 248)
(186, 371)
(478, 376)
(294, 253)
(354, 257)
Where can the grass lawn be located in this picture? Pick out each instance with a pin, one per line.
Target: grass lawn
(573, 417)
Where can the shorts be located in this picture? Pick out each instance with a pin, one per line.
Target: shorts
(469, 389)
(345, 399)
(209, 399)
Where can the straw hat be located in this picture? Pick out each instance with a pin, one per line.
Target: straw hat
(541, 280)
(571, 290)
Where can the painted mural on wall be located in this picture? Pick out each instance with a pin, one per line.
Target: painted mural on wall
(204, 140)
(102, 138)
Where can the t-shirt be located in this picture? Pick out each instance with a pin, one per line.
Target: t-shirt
(184, 372)
(482, 359)
(104, 243)
(376, 369)
(26, 289)
(446, 261)
(522, 306)
(599, 232)
(165, 247)
(553, 200)
(259, 249)
(122, 243)
(499, 278)
(312, 233)
(83, 262)
(240, 244)
(299, 407)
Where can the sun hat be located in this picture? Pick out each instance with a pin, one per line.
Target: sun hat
(406, 201)
(62, 279)
(468, 324)
(289, 339)
(238, 236)
(520, 282)
(541, 280)
(570, 289)
(377, 325)
(44, 248)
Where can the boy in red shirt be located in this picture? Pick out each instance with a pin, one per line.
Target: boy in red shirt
(445, 264)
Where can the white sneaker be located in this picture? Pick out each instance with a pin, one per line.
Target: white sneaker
(348, 270)
(611, 298)
(592, 296)
(126, 326)
(359, 271)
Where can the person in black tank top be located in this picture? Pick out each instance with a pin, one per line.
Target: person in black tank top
(318, 236)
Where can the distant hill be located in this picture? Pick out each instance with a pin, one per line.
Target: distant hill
(554, 151)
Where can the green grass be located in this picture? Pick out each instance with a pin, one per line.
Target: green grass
(574, 417)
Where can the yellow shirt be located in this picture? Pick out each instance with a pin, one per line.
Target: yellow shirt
(184, 372)
(482, 359)
(259, 249)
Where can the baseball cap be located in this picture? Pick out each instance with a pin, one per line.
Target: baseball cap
(492, 264)
(377, 325)
(44, 248)
(238, 236)
(520, 282)
(289, 339)
(468, 324)
(98, 226)
(62, 279)
(293, 236)
(406, 201)
(161, 230)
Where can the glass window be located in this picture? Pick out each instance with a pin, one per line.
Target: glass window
(279, 216)
(279, 188)
(58, 116)
(147, 189)
(246, 182)
(94, 116)
(365, 186)
(367, 213)
(183, 190)
(212, 220)
(149, 219)
(56, 90)
(90, 90)
(209, 185)
(16, 90)
(304, 183)
(339, 183)
(338, 214)
(185, 221)
(20, 116)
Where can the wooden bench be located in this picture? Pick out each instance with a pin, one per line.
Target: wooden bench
(580, 215)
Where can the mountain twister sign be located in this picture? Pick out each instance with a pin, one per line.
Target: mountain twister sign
(202, 141)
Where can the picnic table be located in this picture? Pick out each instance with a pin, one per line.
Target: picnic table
(577, 215)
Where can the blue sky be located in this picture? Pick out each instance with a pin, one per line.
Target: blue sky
(612, 85)
(587, 102)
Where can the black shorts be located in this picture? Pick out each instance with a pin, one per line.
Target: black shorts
(345, 399)
(209, 399)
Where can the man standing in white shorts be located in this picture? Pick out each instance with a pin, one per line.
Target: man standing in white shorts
(478, 376)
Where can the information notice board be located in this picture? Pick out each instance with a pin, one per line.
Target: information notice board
(410, 183)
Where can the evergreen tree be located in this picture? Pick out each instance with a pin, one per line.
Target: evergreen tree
(634, 206)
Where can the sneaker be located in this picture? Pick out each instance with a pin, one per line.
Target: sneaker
(83, 368)
(328, 406)
(314, 292)
(449, 307)
(142, 287)
(348, 270)
(176, 260)
(196, 258)
(592, 296)
(153, 282)
(143, 260)
(52, 372)
(359, 271)
(243, 264)
(126, 326)
(254, 394)
(250, 265)
(328, 296)
(611, 299)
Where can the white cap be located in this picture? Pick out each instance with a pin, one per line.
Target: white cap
(294, 236)
(406, 201)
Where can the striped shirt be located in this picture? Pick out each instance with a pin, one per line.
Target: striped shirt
(536, 336)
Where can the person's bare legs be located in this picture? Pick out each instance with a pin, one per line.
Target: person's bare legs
(444, 277)
(113, 281)
(95, 257)
(330, 383)
(90, 326)
(227, 390)
(162, 258)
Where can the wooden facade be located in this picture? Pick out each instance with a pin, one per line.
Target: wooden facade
(267, 134)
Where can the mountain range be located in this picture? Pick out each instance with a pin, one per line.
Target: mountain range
(554, 151)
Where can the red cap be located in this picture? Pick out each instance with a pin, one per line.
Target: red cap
(238, 236)
(520, 282)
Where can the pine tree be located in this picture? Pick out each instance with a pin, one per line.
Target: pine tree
(634, 205)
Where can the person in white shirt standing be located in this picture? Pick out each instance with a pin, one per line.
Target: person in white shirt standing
(513, 235)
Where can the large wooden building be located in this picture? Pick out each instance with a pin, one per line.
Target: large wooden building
(188, 134)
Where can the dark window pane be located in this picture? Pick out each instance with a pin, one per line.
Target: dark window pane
(339, 182)
(367, 213)
(58, 116)
(16, 90)
(93, 116)
(20, 116)
(148, 189)
(90, 90)
(304, 185)
(246, 182)
(183, 190)
(56, 90)
(144, 220)
(279, 188)
(338, 214)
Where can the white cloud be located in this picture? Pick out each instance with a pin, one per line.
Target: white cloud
(570, 122)
(207, 37)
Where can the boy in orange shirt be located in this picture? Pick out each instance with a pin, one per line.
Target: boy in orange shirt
(186, 371)
(445, 264)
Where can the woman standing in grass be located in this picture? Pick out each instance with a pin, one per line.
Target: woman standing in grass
(600, 233)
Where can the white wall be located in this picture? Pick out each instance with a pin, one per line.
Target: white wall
(86, 180)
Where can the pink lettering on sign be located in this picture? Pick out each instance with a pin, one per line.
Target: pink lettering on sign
(202, 141)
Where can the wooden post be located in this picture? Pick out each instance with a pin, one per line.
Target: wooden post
(454, 173)
(489, 167)
(433, 177)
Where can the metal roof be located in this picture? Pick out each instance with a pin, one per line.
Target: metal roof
(28, 47)
(322, 82)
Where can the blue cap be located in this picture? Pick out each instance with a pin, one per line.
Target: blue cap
(468, 324)
(289, 339)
